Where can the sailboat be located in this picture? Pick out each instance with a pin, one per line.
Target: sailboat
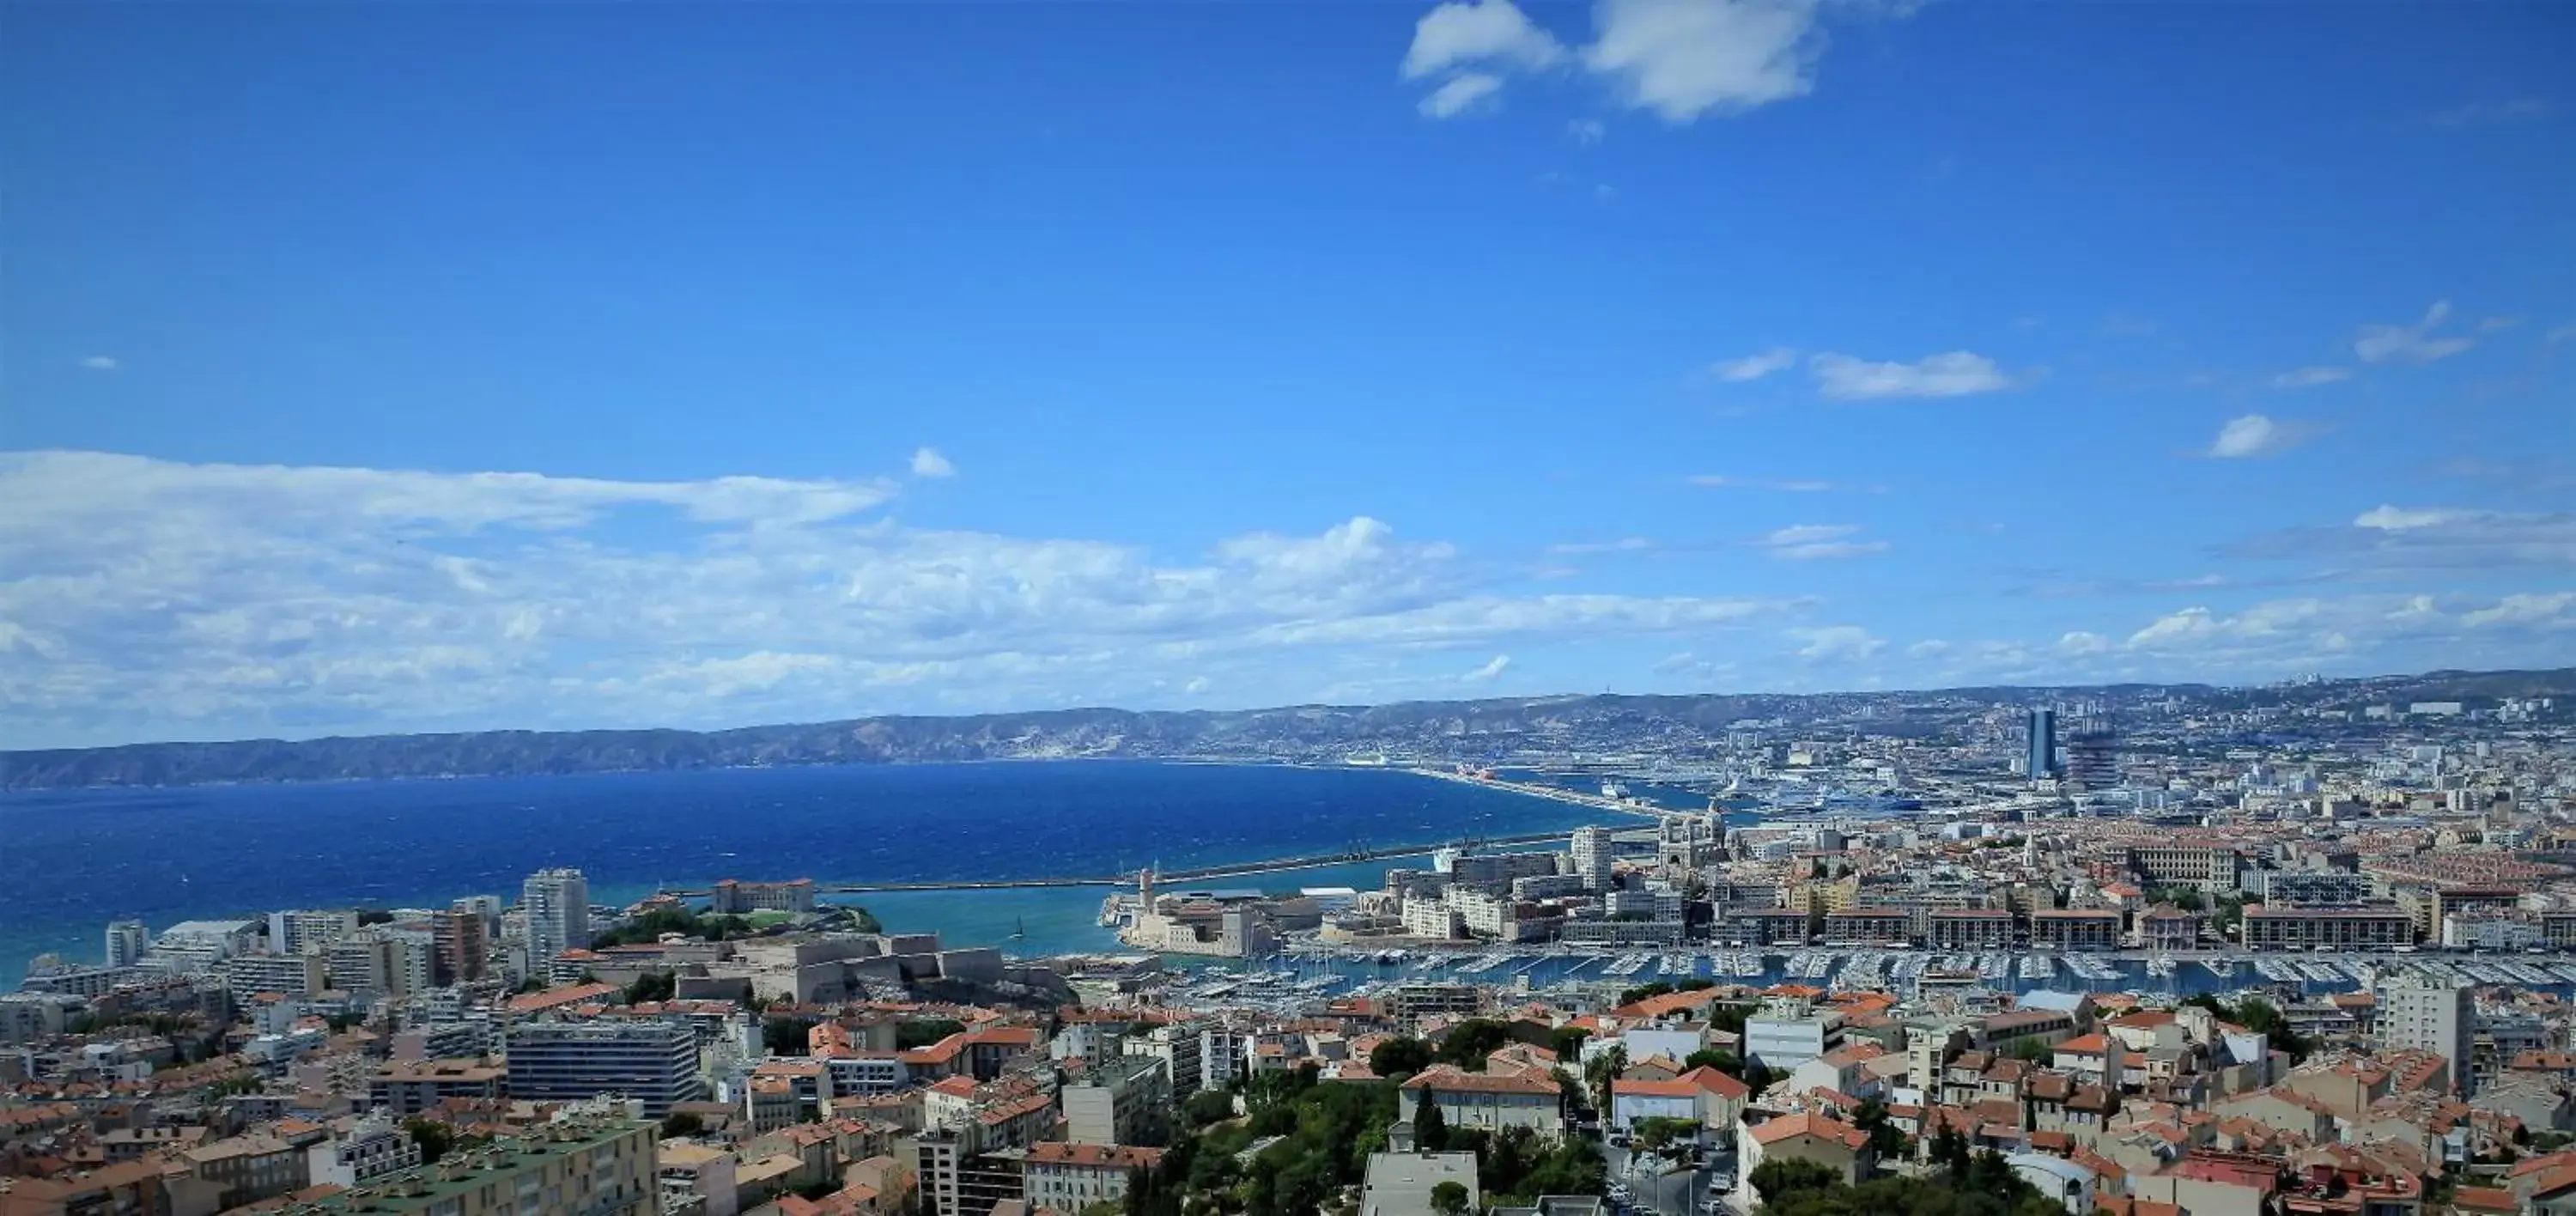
(1019, 927)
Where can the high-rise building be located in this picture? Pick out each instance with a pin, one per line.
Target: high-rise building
(558, 906)
(2429, 1017)
(126, 941)
(2039, 743)
(655, 1063)
(1592, 854)
(2092, 749)
(463, 950)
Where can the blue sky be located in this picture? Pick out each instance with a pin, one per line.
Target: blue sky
(388, 367)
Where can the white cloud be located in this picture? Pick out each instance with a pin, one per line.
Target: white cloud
(1587, 131)
(2397, 519)
(1679, 59)
(1686, 58)
(1719, 481)
(1928, 648)
(2255, 435)
(1475, 32)
(1197, 686)
(1625, 544)
(2409, 343)
(100, 363)
(1754, 367)
(1459, 94)
(149, 598)
(1814, 542)
(927, 462)
(2556, 610)
(1957, 373)
(1802, 534)
(1488, 670)
(2563, 333)
(1473, 43)
(2080, 642)
(1837, 643)
(2310, 377)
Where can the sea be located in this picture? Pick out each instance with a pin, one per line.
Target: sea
(72, 861)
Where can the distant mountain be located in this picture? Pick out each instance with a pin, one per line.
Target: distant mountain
(1436, 729)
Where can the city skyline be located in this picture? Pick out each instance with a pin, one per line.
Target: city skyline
(828, 362)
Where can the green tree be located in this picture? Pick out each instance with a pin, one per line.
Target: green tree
(1886, 1140)
(1430, 1130)
(2031, 1048)
(1566, 1042)
(1469, 1042)
(1711, 1057)
(1950, 1151)
(1449, 1198)
(785, 1036)
(922, 1032)
(1208, 1106)
(653, 986)
(1778, 1179)
(682, 1125)
(433, 1137)
(1402, 1055)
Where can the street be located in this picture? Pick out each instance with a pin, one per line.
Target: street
(1657, 1186)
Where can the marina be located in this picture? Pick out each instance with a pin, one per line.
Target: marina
(1307, 971)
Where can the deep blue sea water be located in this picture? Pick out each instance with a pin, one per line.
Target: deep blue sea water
(72, 861)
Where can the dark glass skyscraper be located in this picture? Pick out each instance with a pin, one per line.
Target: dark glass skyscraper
(2040, 736)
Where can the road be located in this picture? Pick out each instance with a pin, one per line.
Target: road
(1656, 1186)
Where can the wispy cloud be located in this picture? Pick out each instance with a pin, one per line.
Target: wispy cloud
(1719, 481)
(1754, 367)
(1625, 544)
(1837, 643)
(2486, 113)
(927, 462)
(1817, 542)
(2310, 377)
(1957, 373)
(2257, 435)
(1460, 94)
(1587, 131)
(2410, 343)
(1488, 670)
(100, 363)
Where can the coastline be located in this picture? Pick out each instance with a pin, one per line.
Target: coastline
(110, 855)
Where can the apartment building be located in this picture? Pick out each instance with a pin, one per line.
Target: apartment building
(1123, 1100)
(286, 974)
(579, 1166)
(1073, 1177)
(2076, 928)
(1969, 929)
(655, 1062)
(408, 1087)
(1872, 926)
(557, 905)
(2210, 867)
(2270, 928)
(2439, 1020)
(1490, 1102)
(296, 932)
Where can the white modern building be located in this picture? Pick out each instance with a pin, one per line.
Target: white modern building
(557, 903)
(1592, 856)
(2440, 1020)
(126, 941)
(1783, 1037)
